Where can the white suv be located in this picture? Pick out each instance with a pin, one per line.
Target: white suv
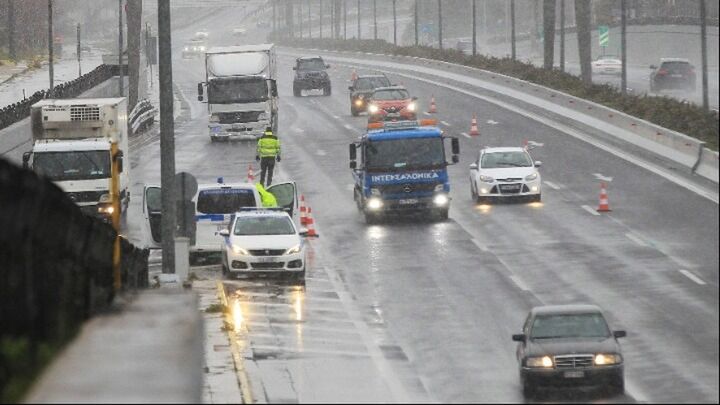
(263, 242)
(505, 173)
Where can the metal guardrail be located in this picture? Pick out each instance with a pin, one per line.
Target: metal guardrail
(142, 116)
(70, 89)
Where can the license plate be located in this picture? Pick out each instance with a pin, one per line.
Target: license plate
(574, 374)
(675, 75)
(265, 259)
(393, 115)
(510, 187)
(408, 201)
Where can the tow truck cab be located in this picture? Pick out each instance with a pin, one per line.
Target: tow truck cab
(402, 167)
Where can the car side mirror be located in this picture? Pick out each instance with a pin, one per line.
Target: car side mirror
(473, 166)
(455, 158)
(224, 233)
(26, 159)
(519, 337)
(619, 334)
(353, 152)
(538, 163)
(455, 143)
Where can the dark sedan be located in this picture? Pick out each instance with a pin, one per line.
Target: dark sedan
(569, 346)
(362, 88)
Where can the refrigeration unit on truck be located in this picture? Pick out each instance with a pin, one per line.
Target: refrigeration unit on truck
(241, 87)
(72, 146)
(402, 168)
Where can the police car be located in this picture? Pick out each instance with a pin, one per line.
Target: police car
(263, 242)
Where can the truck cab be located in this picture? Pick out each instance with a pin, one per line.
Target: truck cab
(401, 167)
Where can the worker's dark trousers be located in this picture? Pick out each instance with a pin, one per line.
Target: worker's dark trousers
(267, 165)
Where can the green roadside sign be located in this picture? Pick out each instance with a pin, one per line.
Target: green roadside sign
(604, 35)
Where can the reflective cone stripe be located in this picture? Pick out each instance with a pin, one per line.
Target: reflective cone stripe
(604, 204)
(250, 174)
(473, 126)
(433, 108)
(303, 211)
(311, 224)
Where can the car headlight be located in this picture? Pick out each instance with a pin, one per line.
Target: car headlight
(293, 250)
(202, 48)
(214, 118)
(604, 359)
(439, 187)
(374, 203)
(372, 109)
(441, 200)
(375, 191)
(539, 362)
(240, 251)
(186, 49)
(486, 179)
(531, 177)
(359, 102)
(411, 107)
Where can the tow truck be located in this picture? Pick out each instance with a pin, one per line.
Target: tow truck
(402, 169)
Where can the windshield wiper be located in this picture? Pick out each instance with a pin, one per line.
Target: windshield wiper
(512, 164)
(549, 337)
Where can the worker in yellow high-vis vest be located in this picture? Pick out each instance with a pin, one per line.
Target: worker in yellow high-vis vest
(268, 151)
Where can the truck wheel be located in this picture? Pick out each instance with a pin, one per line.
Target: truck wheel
(536, 198)
(354, 112)
(371, 219)
(443, 214)
(327, 91)
(529, 390)
(296, 91)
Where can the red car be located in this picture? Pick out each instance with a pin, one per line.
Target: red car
(391, 104)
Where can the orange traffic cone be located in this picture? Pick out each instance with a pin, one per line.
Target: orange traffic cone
(311, 225)
(250, 174)
(353, 76)
(303, 211)
(604, 205)
(473, 126)
(433, 109)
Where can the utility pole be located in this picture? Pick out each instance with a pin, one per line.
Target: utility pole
(562, 35)
(394, 22)
(548, 34)
(309, 7)
(416, 23)
(375, 19)
(512, 28)
(440, 44)
(274, 16)
(301, 18)
(321, 18)
(623, 46)
(345, 18)
(11, 29)
(79, 50)
(358, 18)
(474, 28)
(484, 22)
(703, 52)
(50, 46)
(147, 51)
(167, 138)
(120, 47)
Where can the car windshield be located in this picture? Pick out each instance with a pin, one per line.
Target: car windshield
(403, 154)
(311, 64)
(495, 160)
(224, 200)
(394, 94)
(263, 225)
(591, 325)
(76, 165)
(237, 90)
(369, 83)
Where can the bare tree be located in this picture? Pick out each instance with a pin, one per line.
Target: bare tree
(549, 32)
(582, 18)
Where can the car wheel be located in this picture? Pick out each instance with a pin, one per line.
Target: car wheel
(296, 91)
(617, 385)
(212, 139)
(371, 219)
(443, 214)
(473, 193)
(327, 91)
(298, 277)
(529, 391)
(536, 198)
(354, 112)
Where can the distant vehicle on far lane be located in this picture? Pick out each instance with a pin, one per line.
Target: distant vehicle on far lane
(569, 346)
(673, 73)
(195, 48)
(505, 173)
(361, 90)
(607, 64)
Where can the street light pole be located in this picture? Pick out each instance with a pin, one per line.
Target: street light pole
(394, 23)
(416, 23)
(79, 51)
(512, 28)
(703, 51)
(345, 19)
(474, 28)
(11, 29)
(50, 47)
(623, 46)
(562, 35)
(120, 46)
(440, 42)
(359, 29)
(375, 19)
(167, 139)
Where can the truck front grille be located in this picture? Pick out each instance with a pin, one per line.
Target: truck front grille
(408, 188)
(84, 113)
(238, 117)
(86, 196)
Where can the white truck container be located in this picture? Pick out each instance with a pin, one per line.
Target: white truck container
(241, 89)
(72, 146)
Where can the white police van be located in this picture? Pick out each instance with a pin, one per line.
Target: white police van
(215, 204)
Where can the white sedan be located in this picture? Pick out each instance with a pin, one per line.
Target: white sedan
(607, 64)
(505, 173)
(263, 242)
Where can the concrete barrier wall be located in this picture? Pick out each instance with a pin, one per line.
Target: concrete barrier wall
(708, 166)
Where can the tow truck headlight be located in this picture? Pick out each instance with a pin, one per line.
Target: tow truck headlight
(187, 48)
(106, 209)
(486, 179)
(374, 203)
(375, 191)
(372, 109)
(293, 250)
(202, 48)
(539, 362)
(411, 107)
(440, 200)
(240, 251)
(604, 359)
(214, 118)
(531, 177)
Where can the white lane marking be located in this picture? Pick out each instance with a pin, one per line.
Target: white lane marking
(692, 277)
(520, 283)
(321, 152)
(466, 135)
(591, 210)
(480, 245)
(445, 123)
(426, 113)
(708, 194)
(492, 122)
(337, 117)
(551, 185)
(636, 239)
(600, 177)
(350, 127)
(297, 129)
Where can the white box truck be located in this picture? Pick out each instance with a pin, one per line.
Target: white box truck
(71, 146)
(241, 90)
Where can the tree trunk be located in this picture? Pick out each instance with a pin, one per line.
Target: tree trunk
(549, 33)
(582, 18)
